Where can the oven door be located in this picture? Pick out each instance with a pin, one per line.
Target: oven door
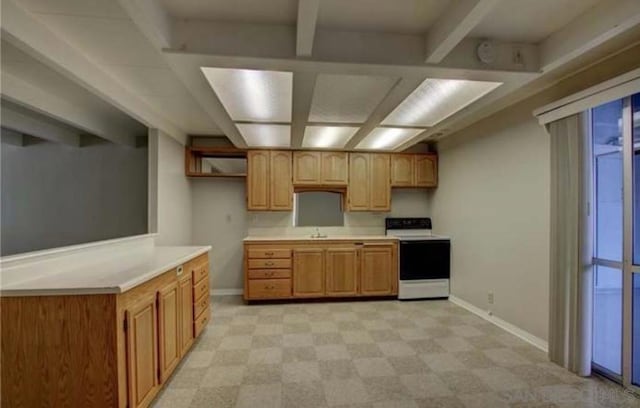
(425, 259)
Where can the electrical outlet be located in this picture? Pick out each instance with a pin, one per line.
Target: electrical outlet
(490, 298)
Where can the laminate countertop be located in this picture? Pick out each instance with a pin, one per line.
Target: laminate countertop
(109, 272)
(328, 238)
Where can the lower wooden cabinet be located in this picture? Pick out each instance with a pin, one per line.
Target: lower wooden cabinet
(342, 270)
(311, 269)
(101, 350)
(142, 351)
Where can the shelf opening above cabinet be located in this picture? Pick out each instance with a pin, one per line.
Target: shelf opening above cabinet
(215, 162)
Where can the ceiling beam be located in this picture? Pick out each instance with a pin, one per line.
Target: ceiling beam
(397, 94)
(25, 94)
(35, 126)
(152, 19)
(592, 28)
(29, 34)
(453, 25)
(12, 137)
(303, 86)
(398, 52)
(306, 26)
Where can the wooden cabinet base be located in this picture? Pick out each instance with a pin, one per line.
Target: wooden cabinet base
(97, 350)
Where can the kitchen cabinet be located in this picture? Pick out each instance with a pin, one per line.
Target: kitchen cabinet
(376, 261)
(269, 185)
(315, 168)
(369, 182)
(100, 350)
(414, 170)
(142, 351)
(341, 271)
(169, 314)
(308, 272)
(284, 269)
(426, 169)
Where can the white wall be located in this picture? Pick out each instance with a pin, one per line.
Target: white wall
(493, 200)
(220, 219)
(55, 195)
(171, 214)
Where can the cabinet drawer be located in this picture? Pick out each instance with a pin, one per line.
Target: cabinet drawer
(269, 273)
(201, 322)
(269, 263)
(200, 306)
(200, 271)
(201, 289)
(269, 253)
(269, 288)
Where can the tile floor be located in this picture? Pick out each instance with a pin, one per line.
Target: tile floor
(371, 354)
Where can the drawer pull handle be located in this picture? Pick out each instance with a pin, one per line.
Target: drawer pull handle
(269, 263)
(268, 253)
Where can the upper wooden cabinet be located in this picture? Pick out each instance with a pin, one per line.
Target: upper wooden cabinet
(369, 182)
(414, 170)
(269, 185)
(314, 168)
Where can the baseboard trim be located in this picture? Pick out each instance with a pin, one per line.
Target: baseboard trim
(226, 292)
(515, 330)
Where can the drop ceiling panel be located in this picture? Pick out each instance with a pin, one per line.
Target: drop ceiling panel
(244, 11)
(397, 16)
(436, 99)
(382, 138)
(100, 8)
(327, 136)
(252, 95)
(261, 135)
(533, 22)
(347, 98)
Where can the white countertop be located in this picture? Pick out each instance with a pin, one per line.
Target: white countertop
(114, 272)
(328, 238)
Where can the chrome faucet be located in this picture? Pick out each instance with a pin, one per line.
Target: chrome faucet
(317, 234)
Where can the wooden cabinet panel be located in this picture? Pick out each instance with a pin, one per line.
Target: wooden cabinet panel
(269, 288)
(426, 170)
(358, 191)
(269, 263)
(306, 168)
(377, 263)
(280, 189)
(380, 187)
(402, 170)
(201, 289)
(142, 352)
(201, 322)
(334, 168)
(269, 253)
(185, 290)
(258, 163)
(341, 271)
(269, 273)
(308, 272)
(168, 329)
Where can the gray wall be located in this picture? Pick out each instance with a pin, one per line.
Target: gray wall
(55, 195)
(319, 209)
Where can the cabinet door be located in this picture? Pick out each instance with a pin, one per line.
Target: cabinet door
(334, 168)
(185, 290)
(306, 168)
(426, 170)
(402, 170)
(380, 183)
(169, 315)
(358, 190)
(281, 189)
(142, 352)
(258, 180)
(341, 272)
(308, 272)
(377, 270)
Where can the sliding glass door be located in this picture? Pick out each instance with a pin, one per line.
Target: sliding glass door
(615, 135)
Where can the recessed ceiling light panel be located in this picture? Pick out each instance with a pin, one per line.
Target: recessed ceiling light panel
(387, 138)
(253, 95)
(262, 135)
(327, 136)
(437, 99)
(347, 98)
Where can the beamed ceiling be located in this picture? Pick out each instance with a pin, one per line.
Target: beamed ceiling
(358, 74)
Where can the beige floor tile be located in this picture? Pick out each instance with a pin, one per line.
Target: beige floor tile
(386, 389)
(221, 376)
(263, 396)
(439, 362)
(343, 392)
(500, 379)
(304, 371)
(373, 367)
(332, 352)
(222, 397)
(176, 398)
(396, 349)
(303, 395)
(421, 386)
(269, 355)
(335, 369)
(262, 374)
